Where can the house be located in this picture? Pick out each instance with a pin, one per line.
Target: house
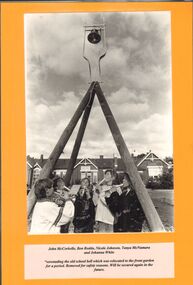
(151, 166)
(148, 165)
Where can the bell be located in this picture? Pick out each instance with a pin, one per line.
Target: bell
(94, 37)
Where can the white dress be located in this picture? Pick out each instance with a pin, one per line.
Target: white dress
(103, 213)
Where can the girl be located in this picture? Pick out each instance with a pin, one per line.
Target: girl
(126, 208)
(84, 216)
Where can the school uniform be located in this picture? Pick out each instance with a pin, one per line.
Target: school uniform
(84, 216)
(47, 217)
(128, 213)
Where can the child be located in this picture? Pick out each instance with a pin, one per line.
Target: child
(47, 216)
(84, 209)
(126, 208)
(60, 198)
(104, 217)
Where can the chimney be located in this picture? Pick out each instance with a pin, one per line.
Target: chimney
(101, 157)
(115, 162)
(41, 158)
(133, 154)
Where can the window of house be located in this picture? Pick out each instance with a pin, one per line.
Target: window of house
(85, 168)
(155, 171)
(83, 175)
(36, 174)
(95, 177)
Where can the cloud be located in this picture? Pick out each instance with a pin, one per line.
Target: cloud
(136, 73)
(45, 123)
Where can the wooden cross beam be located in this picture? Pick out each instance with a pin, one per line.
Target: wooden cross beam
(78, 140)
(151, 214)
(50, 163)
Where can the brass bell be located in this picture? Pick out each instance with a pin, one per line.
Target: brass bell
(94, 37)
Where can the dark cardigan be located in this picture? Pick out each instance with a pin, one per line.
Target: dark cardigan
(84, 215)
(126, 209)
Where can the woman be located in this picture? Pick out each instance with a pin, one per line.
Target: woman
(84, 216)
(126, 208)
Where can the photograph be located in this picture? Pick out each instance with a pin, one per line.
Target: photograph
(99, 130)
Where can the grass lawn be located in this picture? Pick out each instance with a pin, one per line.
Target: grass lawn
(164, 204)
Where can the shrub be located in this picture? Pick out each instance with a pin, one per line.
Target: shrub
(153, 183)
(164, 181)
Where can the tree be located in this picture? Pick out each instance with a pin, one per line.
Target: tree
(166, 180)
(169, 159)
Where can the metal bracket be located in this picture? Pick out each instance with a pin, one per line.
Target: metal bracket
(94, 52)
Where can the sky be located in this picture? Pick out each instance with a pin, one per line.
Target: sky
(136, 76)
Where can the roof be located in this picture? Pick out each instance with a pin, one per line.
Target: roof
(101, 163)
(151, 154)
(31, 160)
(85, 161)
(105, 163)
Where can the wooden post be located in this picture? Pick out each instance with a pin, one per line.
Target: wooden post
(151, 214)
(50, 163)
(78, 141)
